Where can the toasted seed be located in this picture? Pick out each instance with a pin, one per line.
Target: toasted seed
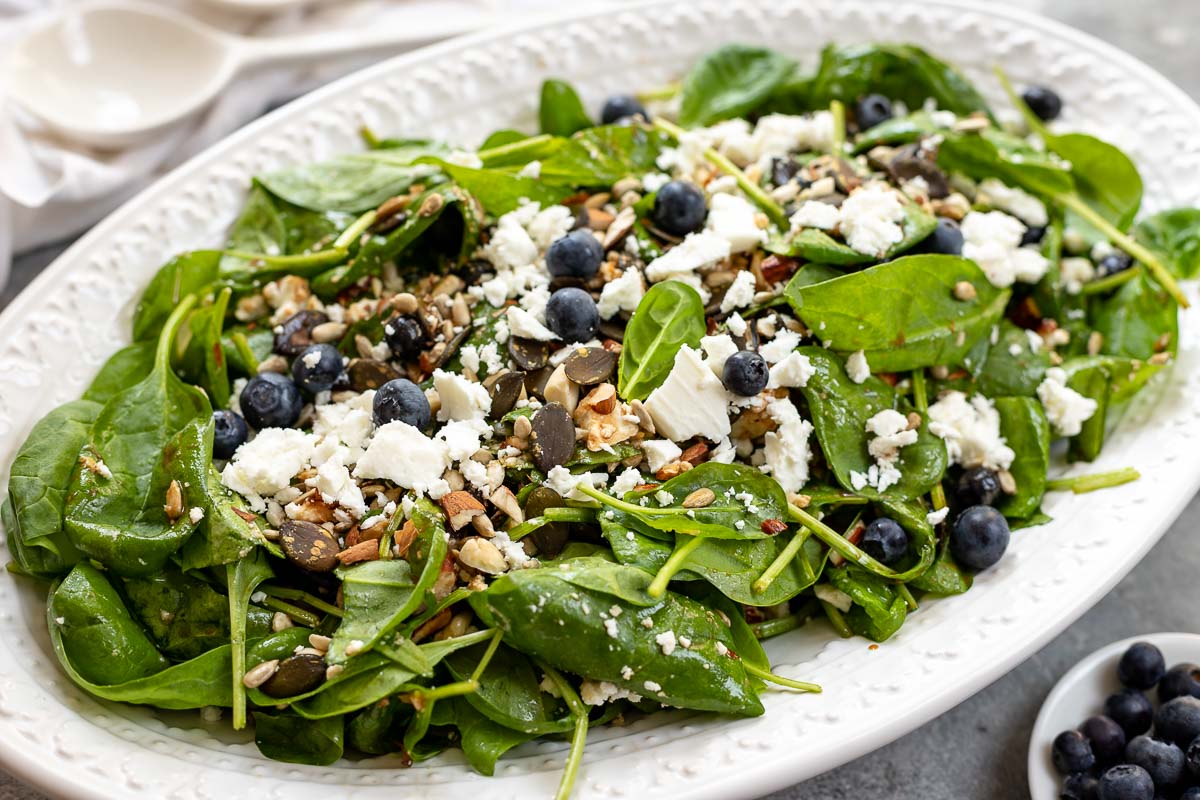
(319, 642)
(280, 622)
(590, 365)
(1008, 484)
(965, 290)
(699, 498)
(174, 504)
(333, 670)
(553, 437)
(644, 418)
(505, 391)
(529, 354)
(535, 382)
(296, 674)
(522, 427)
(259, 674)
(1095, 342)
(308, 545)
(405, 303)
(328, 332)
(296, 333)
(506, 501)
(367, 373)
(273, 363)
(459, 313)
(483, 526)
(448, 349)
(482, 555)
(431, 205)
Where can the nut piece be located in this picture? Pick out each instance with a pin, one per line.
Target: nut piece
(367, 550)
(174, 504)
(562, 390)
(281, 622)
(460, 507)
(328, 332)
(522, 427)
(506, 501)
(699, 498)
(308, 545)
(319, 642)
(259, 675)
(606, 421)
(482, 555)
(644, 419)
(602, 399)
(965, 290)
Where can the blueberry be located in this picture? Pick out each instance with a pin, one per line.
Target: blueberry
(1071, 752)
(1180, 680)
(1163, 760)
(271, 401)
(978, 486)
(1043, 101)
(1192, 755)
(316, 369)
(576, 255)
(1191, 794)
(1113, 263)
(571, 313)
(1106, 737)
(745, 373)
(1033, 235)
(1130, 709)
(404, 336)
(229, 433)
(946, 239)
(1080, 786)
(295, 333)
(1141, 666)
(884, 540)
(679, 208)
(1178, 720)
(872, 110)
(622, 106)
(401, 400)
(1126, 782)
(979, 538)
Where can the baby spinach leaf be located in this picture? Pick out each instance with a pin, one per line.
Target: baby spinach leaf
(124, 368)
(1137, 320)
(1175, 237)
(509, 693)
(200, 355)
(818, 246)
(502, 137)
(482, 741)
(37, 488)
(730, 81)
(287, 737)
(261, 341)
(1025, 429)
(560, 112)
(1127, 375)
(371, 730)
(921, 325)
(878, 610)
(1105, 178)
(897, 130)
(603, 155)
(668, 317)
(1092, 381)
(944, 576)
(355, 182)
(995, 154)
(500, 191)
(922, 545)
(1008, 367)
(698, 677)
(840, 409)
(260, 228)
(184, 616)
(189, 273)
(241, 579)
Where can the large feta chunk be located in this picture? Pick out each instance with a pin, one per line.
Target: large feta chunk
(690, 402)
(890, 432)
(697, 250)
(510, 245)
(660, 452)
(463, 437)
(734, 219)
(267, 463)
(992, 239)
(335, 485)
(460, 398)
(400, 453)
(621, 294)
(971, 430)
(857, 367)
(787, 449)
(525, 325)
(1066, 408)
(780, 347)
(791, 373)
(1018, 202)
(347, 424)
(717, 350)
(740, 293)
(815, 214)
(870, 219)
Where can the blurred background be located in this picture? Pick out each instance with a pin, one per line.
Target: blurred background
(52, 190)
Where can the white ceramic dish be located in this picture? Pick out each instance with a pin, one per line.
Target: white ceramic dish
(1080, 694)
(54, 337)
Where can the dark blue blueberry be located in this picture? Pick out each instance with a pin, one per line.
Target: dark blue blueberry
(576, 255)
(1130, 709)
(271, 401)
(745, 373)
(884, 540)
(622, 106)
(1126, 782)
(1180, 680)
(1071, 752)
(1191, 794)
(1106, 737)
(404, 336)
(979, 538)
(1163, 760)
(1080, 786)
(946, 239)
(571, 313)
(1141, 666)
(229, 433)
(1033, 235)
(1114, 262)
(872, 110)
(1193, 758)
(978, 486)
(401, 400)
(1043, 101)
(317, 368)
(1178, 720)
(679, 208)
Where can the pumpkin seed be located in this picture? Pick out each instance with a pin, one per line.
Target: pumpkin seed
(505, 391)
(367, 373)
(590, 365)
(552, 537)
(296, 675)
(308, 545)
(529, 354)
(553, 437)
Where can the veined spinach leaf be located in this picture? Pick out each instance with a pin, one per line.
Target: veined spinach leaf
(1175, 236)
(603, 155)
(355, 182)
(200, 356)
(124, 368)
(730, 81)
(1025, 429)
(189, 273)
(878, 610)
(898, 130)
(296, 740)
(994, 154)
(371, 730)
(560, 112)
(1137, 320)
(1009, 367)
(819, 247)
(668, 317)
(185, 616)
(500, 191)
(509, 693)
(260, 228)
(482, 741)
(1093, 381)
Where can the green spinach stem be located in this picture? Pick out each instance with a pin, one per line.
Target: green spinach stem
(839, 128)
(242, 345)
(578, 738)
(448, 690)
(533, 143)
(1090, 483)
(299, 595)
(665, 92)
(771, 677)
(1112, 281)
(551, 515)
(837, 620)
(295, 612)
(909, 600)
(774, 627)
(851, 552)
(487, 655)
(781, 561)
(921, 400)
(674, 564)
(355, 230)
(320, 258)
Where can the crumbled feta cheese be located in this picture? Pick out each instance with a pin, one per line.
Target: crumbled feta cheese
(736, 325)
(971, 430)
(335, 485)
(723, 453)
(792, 372)
(652, 686)
(690, 402)
(195, 514)
(460, 398)
(653, 181)
(890, 430)
(937, 517)
(400, 453)
(826, 593)
(870, 219)
(510, 245)
(311, 358)
(513, 552)
(786, 449)
(525, 325)
(733, 219)
(992, 240)
(697, 250)
(266, 463)
(531, 170)
(717, 350)
(815, 214)
(664, 497)
(1075, 272)
(628, 480)
(780, 347)
(561, 480)
(549, 224)
(857, 367)
(610, 627)
(465, 158)
(995, 194)
(666, 640)
(621, 294)
(1066, 408)
(347, 424)
(597, 693)
(781, 134)
(660, 452)
(740, 293)
(463, 437)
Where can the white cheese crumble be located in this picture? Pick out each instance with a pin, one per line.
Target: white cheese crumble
(780, 347)
(400, 453)
(525, 325)
(267, 463)
(463, 437)
(690, 402)
(597, 693)
(697, 250)
(971, 430)
(666, 640)
(786, 449)
(346, 425)
(995, 194)
(628, 480)
(1066, 408)
(652, 686)
(460, 398)
(717, 350)
(733, 219)
(870, 219)
(815, 214)
(621, 294)
(561, 480)
(335, 485)
(195, 514)
(660, 452)
(835, 597)
(992, 239)
(790, 373)
(890, 434)
(1075, 272)
(857, 367)
(937, 517)
(610, 627)
(736, 325)
(513, 552)
(740, 293)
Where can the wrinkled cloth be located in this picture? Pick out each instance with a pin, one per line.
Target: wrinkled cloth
(51, 189)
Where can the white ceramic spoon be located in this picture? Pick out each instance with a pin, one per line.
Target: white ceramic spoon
(110, 74)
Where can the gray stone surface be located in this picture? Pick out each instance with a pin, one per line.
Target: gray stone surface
(978, 749)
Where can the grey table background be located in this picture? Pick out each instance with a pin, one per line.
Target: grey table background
(978, 749)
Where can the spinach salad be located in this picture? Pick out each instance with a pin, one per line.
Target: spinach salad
(455, 448)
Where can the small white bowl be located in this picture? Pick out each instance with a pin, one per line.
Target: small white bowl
(1081, 693)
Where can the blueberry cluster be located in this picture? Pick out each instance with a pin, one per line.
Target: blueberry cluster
(1133, 751)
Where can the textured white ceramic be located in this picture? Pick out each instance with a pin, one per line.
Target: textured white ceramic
(1080, 694)
(54, 337)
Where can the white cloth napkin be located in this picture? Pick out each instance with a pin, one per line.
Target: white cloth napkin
(51, 189)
